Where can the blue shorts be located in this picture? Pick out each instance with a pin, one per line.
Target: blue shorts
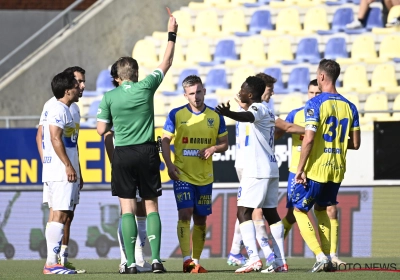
(192, 196)
(324, 194)
(291, 186)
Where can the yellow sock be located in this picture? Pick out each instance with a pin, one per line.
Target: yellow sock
(334, 235)
(307, 232)
(183, 230)
(198, 239)
(286, 227)
(324, 230)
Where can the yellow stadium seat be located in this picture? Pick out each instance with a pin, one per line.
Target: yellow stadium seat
(179, 58)
(376, 102)
(224, 95)
(287, 22)
(167, 83)
(220, 4)
(145, 53)
(355, 79)
(239, 76)
(185, 23)
(316, 19)
(362, 50)
(353, 98)
(243, 1)
(159, 106)
(396, 107)
(233, 21)
(389, 47)
(252, 51)
(206, 23)
(384, 78)
(289, 103)
(177, 101)
(288, 3)
(159, 121)
(198, 51)
(279, 49)
(394, 12)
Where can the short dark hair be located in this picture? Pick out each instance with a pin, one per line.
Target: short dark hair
(191, 80)
(62, 82)
(256, 86)
(74, 69)
(313, 83)
(331, 69)
(114, 74)
(268, 80)
(126, 67)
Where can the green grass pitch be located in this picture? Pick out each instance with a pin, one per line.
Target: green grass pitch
(218, 269)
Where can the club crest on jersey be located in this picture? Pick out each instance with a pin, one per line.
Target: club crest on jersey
(210, 122)
(310, 112)
(254, 108)
(185, 140)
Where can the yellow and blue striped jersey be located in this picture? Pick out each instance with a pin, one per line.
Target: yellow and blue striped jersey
(194, 132)
(332, 117)
(296, 116)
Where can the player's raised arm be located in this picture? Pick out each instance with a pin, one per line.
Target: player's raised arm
(169, 52)
(237, 116)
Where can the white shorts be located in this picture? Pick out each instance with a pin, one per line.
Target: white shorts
(258, 192)
(62, 195)
(46, 194)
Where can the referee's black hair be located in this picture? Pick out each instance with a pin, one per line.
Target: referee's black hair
(256, 86)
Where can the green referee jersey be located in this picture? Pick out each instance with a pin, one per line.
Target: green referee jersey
(130, 108)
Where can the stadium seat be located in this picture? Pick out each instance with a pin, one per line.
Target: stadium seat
(389, 48)
(396, 107)
(299, 78)
(145, 52)
(374, 20)
(384, 78)
(167, 83)
(307, 51)
(353, 98)
(239, 76)
(279, 49)
(159, 107)
(376, 102)
(182, 76)
(260, 20)
(177, 101)
(315, 19)
(92, 113)
(211, 100)
(341, 17)
(233, 21)
(224, 50)
(104, 81)
(289, 103)
(210, 4)
(206, 23)
(179, 58)
(276, 73)
(355, 79)
(252, 51)
(289, 3)
(198, 50)
(287, 22)
(215, 79)
(362, 50)
(185, 23)
(224, 95)
(336, 48)
(394, 12)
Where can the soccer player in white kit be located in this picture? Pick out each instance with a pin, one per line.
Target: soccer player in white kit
(60, 165)
(260, 178)
(79, 74)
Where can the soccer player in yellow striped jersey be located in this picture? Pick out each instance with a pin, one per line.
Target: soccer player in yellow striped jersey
(331, 127)
(196, 129)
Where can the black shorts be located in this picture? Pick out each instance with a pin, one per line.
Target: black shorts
(136, 166)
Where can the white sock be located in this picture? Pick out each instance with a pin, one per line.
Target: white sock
(64, 254)
(320, 257)
(249, 240)
(196, 261)
(54, 234)
(141, 239)
(121, 241)
(237, 239)
(277, 231)
(262, 237)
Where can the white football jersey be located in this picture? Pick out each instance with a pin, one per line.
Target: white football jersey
(259, 159)
(241, 128)
(59, 115)
(74, 109)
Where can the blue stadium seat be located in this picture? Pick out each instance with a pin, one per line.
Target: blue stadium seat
(307, 51)
(104, 81)
(92, 112)
(374, 19)
(211, 100)
(277, 74)
(336, 48)
(341, 17)
(225, 49)
(259, 3)
(182, 76)
(299, 79)
(216, 78)
(260, 20)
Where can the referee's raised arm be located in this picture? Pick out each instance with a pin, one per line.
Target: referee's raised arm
(169, 51)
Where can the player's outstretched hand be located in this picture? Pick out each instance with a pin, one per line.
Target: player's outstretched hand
(301, 178)
(222, 109)
(173, 172)
(71, 174)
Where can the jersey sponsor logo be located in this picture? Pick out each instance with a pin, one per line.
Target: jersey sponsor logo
(210, 122)
(332, 150)
(46, 113)
(185, 140)
(310, 112)
(254, 108)
(200, 140)
(98, 111)
(57, 121)
(190, 153)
